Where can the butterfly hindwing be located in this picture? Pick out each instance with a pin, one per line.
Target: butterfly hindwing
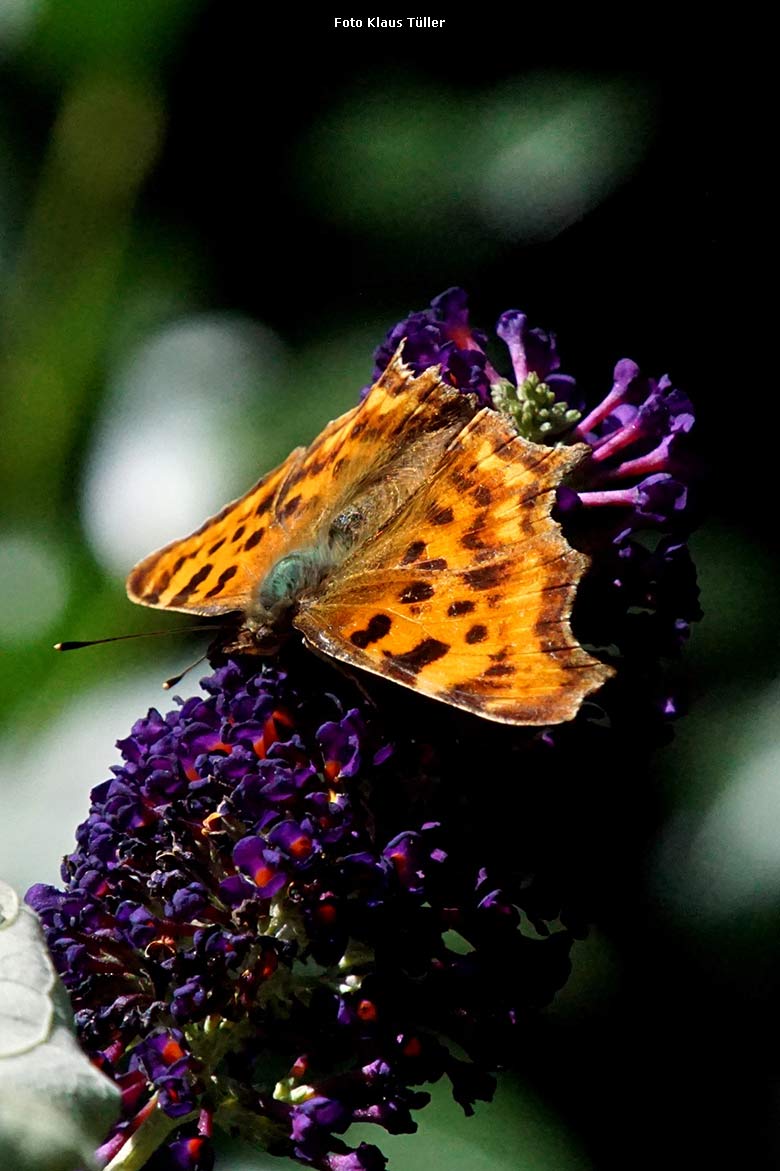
(466, 594)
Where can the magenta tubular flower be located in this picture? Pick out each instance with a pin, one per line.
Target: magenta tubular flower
(289, 909)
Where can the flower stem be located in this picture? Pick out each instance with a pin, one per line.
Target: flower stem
(140, 1147)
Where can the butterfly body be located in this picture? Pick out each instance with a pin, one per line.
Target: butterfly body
(268, 620)
(413, 539)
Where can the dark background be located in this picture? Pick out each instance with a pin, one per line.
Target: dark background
(168, 161)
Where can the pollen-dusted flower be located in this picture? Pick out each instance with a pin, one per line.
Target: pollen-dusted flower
(290, 908)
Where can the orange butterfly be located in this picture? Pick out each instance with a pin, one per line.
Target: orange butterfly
(412, 539)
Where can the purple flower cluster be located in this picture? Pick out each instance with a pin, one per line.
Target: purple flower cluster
(276, 923)
(257, 930)
(441, 336)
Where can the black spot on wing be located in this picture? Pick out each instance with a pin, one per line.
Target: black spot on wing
(417, 591)
(222, 580)
(196, 579)
(318, 466)
(485, 577)
(442, 516)
(238, 534)
(471, 539)
(376, 629)
(218, 545)
(460, 479)
(290, 507)
(415, 550)
(160, 586)
(412, 662)
(255, 539)
(295, 477)
(482, 495)
(476, 633)
(500, 669)
(436, 563)
(455, 609)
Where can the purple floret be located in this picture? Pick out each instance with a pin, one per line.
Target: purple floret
(441, 336)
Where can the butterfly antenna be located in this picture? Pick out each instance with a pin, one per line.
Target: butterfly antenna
(169, 683)
(77, 646)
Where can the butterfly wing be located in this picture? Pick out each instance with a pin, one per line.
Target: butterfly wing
(466, 594)
(212, 570)
(392, 437)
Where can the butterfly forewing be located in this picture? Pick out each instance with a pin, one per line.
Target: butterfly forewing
(213, 571)
(390, 439)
